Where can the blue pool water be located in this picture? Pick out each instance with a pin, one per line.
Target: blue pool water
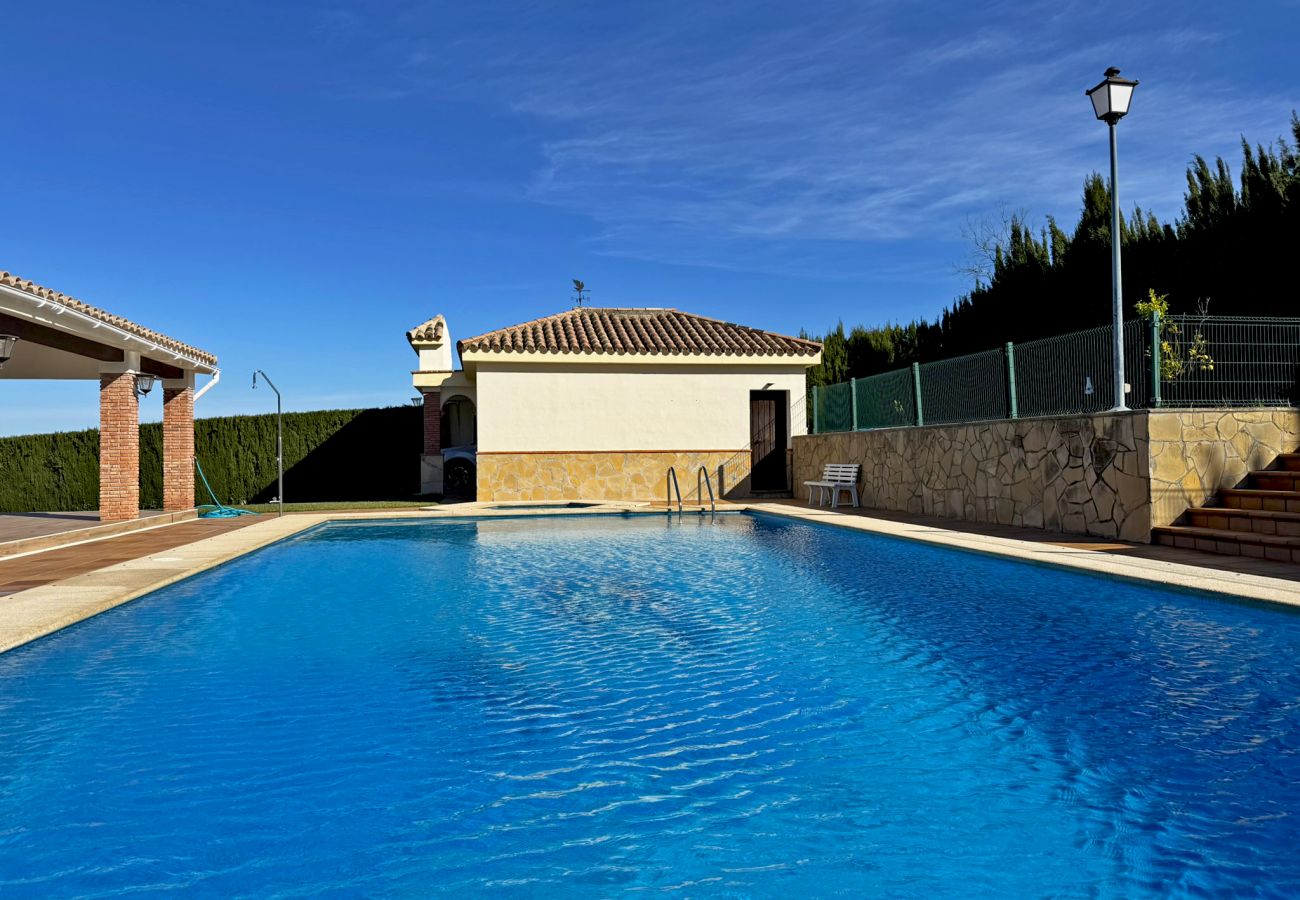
(597, 706)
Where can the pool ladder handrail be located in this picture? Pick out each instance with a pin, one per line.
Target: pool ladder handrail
(670, 481)
(703, 475)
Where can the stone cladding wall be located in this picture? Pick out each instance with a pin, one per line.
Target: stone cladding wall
(633, 476)
(1196, 452)
(1083, 475)
(1113, 475)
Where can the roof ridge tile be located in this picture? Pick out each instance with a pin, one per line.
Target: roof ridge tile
(637, 331)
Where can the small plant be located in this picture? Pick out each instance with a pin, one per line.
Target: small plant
(1179, 354)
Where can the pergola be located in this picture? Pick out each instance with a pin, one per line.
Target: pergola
(60, 337)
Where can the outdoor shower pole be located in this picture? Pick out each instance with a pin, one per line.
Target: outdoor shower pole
(1116, 280)
(279, 442)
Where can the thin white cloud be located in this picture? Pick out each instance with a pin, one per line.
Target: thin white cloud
(834, 125)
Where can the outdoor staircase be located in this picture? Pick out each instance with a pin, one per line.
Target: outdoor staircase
(1261, 519)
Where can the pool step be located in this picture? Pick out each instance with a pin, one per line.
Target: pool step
(1278, 547)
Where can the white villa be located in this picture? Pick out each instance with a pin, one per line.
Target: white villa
(598, 403)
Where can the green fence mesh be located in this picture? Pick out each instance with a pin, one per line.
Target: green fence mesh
(1180, 361)
(1072, 373)
(965, 389)
(886, 400)
(1229, 361)
(834, 407)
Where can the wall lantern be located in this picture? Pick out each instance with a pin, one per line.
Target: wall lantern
(418, 401)
(7, 342)
(144, 384)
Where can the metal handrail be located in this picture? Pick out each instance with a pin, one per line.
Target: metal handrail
(670, 479)
(703, 473)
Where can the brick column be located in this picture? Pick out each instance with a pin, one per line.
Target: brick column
(178, 444)
(119, 447)
(432, 422)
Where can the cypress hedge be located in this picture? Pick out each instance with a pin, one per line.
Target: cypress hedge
(329, 455)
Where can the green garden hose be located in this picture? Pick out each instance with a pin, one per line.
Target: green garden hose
(216, 509)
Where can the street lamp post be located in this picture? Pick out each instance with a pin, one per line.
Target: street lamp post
(1110, 101)
(279, 442)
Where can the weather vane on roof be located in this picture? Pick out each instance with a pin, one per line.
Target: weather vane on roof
(580, 289)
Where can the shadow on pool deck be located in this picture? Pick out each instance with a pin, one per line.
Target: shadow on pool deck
(1240, 564)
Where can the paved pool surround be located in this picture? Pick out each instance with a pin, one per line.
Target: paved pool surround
(1113, 475)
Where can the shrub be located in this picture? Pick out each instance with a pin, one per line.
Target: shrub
(336, 454)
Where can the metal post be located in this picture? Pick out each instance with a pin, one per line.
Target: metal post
(1155, 360)
(853, 401)
(279, 442)
(817, 419)
(1012, 405)
(1116, 279)
(916, 392)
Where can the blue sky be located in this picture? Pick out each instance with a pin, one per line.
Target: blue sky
(292, 185)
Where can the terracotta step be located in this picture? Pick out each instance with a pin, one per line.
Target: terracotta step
(1229, 543)
(1255, 498)
(1289, 462)
(1275, 480)
(1259, 521)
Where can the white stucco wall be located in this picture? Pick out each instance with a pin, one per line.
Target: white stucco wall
(643, 406)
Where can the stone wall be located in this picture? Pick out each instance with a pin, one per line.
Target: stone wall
(1196, 452)
(635, 476)
(1084, 475)
(1108, 475)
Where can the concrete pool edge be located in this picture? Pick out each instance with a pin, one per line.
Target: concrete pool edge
(1225, 584)
(26, 616)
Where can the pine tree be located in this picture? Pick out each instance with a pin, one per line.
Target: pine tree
(1232, 247)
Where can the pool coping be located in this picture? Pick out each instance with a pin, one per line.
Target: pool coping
(1164, 573)
(26, 616)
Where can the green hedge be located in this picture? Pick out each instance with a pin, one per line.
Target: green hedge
(335, 454)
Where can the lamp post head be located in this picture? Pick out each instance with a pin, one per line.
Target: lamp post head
(1111, 98)
(7, 342)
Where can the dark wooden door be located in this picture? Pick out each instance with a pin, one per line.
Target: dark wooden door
(768, 436)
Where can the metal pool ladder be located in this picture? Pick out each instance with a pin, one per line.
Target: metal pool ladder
(703, 475)
(670, 484)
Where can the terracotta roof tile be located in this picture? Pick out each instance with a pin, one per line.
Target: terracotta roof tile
(8, 279)
(427, 332)
(637, 331)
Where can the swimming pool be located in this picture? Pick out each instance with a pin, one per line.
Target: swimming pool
(586, 706)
